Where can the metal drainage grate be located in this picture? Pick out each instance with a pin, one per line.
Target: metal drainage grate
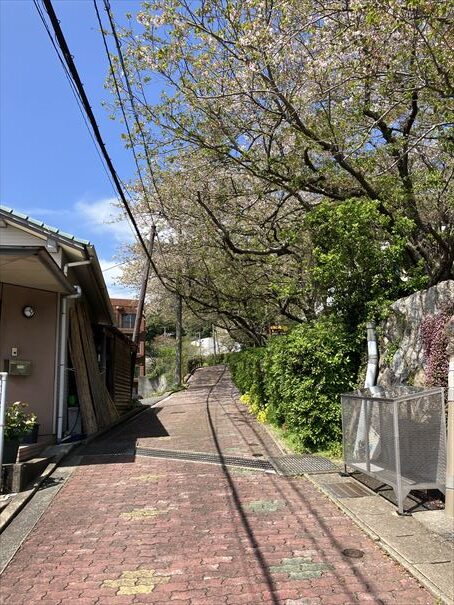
(119, 452)
(290, 466)
(347, 489)
(262, 465)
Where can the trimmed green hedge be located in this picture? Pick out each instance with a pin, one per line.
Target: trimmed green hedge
(295, 381)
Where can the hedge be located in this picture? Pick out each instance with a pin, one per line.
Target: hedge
(295, 381)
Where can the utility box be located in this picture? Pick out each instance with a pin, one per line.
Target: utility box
(15, 367)
(396, 435)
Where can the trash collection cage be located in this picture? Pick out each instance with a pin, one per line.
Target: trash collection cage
(397, 435)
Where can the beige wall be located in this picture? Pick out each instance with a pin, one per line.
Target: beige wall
(35, 339)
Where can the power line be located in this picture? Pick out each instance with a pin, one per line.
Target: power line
(130, 94)
(135, 114)
(73, 88)
(88, 110)
(123, 111)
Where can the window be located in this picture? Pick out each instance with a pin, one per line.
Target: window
(127, 320)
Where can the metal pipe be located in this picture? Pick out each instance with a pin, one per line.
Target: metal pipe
(449, 501)
(3, 382)
(63, 346)
(362, 432)
(77, 263)
(63, 359)
(372, 361)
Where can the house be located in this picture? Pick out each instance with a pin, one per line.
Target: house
(58, 340)
(125, 312)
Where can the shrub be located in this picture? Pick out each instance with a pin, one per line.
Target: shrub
(298, 378)
(18, 421)
(247, 372)
(435, 343)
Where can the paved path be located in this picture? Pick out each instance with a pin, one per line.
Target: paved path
(127, 529)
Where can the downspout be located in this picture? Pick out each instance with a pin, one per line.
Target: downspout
(369, 383)
(63, 347)
(372, 351)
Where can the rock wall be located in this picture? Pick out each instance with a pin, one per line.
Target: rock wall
(148, 387)
(400, 343)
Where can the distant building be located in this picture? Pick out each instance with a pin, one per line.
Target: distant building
(125, 311)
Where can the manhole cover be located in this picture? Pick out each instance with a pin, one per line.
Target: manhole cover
(347, 489)
(305, 463)
(353, 553)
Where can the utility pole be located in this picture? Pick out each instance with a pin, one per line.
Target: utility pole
(178, 339)
(143, 289)
(213, 335)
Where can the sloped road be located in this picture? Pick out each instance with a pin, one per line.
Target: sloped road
(129, 529)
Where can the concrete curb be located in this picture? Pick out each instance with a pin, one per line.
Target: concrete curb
(379, 540)
(385, 546)
(20, 500)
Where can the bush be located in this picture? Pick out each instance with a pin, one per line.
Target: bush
(248, 375)
(163, 349)
(201, 361)
(298, 378)
(435, 345)
(18, 422)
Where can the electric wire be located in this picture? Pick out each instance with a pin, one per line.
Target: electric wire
(122, 108)
(135, 114)
(131, 95)
(73, 89)
(88, 110)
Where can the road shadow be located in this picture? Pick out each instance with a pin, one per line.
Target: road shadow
(119, 444)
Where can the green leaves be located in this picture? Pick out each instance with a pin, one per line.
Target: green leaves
(18, 421)
(298, 379)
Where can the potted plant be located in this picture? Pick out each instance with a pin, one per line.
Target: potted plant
(18, 422)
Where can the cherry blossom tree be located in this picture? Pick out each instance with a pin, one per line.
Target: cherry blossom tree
(272, 109)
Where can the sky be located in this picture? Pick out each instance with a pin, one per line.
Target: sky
(49, 166)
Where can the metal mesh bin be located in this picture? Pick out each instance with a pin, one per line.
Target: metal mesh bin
(397, 435)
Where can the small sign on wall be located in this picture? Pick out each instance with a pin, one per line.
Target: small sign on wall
(15, 367)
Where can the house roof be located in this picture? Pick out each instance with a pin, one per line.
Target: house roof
(89, 277)
(33, 267)
(58, 233)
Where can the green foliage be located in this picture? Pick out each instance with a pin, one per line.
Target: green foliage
(18, 421)
(205, 361)
(248, 374)
(298, 378)
(163, 358)
(358, 258)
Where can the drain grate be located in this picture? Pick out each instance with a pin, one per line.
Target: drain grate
(290, 466)
(347, 489)
(262, 465)
(108, 449)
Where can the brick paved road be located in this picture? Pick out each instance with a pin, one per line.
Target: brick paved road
(145, 530)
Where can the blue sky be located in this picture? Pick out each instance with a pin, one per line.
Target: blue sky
(49, 167)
